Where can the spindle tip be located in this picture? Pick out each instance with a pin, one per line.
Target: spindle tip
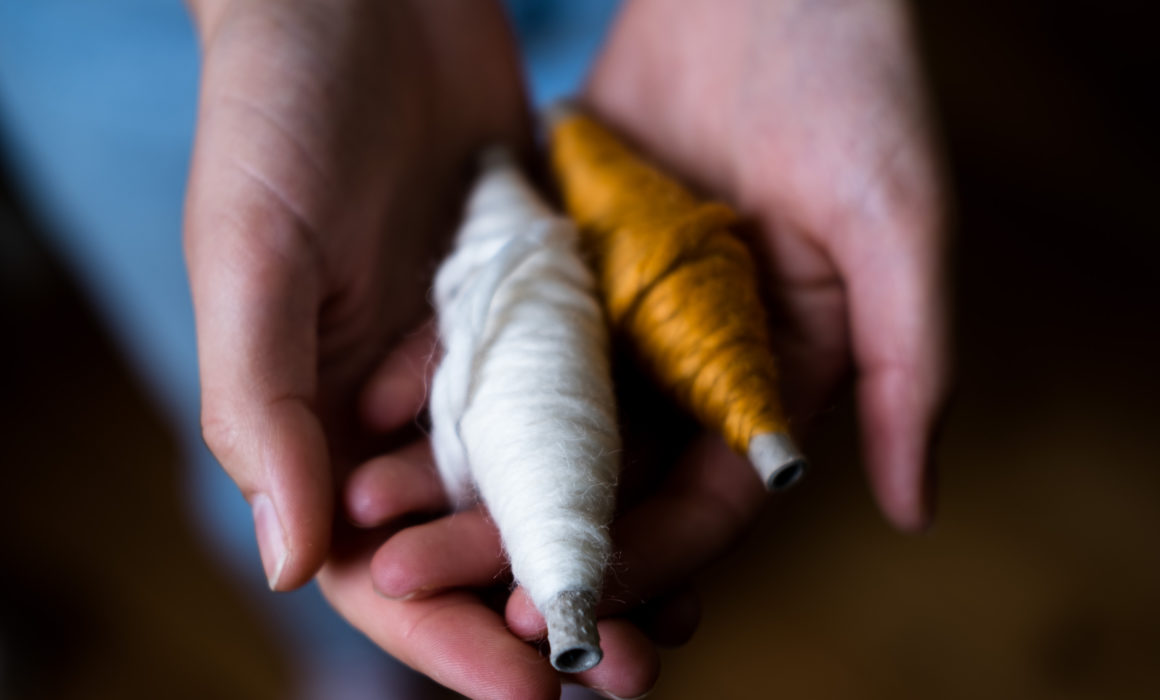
(573, 641)
(777, 460)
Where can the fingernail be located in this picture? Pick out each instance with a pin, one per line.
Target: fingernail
(271, 538)
(609, 695)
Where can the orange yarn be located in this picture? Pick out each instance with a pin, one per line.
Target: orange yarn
(674, 279)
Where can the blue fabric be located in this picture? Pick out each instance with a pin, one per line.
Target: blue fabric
(559, 39)
(97, 105)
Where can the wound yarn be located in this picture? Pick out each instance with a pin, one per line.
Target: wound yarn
(522, 408)
(679, 284)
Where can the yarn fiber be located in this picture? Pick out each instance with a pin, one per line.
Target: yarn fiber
(681, 286)
(522, 409)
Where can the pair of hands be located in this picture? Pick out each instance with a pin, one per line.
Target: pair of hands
(335, 142)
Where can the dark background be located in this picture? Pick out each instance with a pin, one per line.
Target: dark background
(1041, 578)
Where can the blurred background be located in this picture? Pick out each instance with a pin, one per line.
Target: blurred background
(1040, 579)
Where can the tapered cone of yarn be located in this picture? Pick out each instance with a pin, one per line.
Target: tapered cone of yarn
(681, 286)
(522, 409)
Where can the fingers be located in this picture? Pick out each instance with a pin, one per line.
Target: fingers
(712, 498)
(630, 666)
(668, 620)
(392, 486)
(453, 638)
(899, 410)
(898, 320)
(420, 564)
(255, 299)
(258, 421)
(397, 390)
(458, 551)
(255, 281)
(456, 640)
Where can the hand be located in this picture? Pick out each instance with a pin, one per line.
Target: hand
(810, 117)
(335, 140)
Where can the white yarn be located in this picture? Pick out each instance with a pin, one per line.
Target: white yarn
(522, 404)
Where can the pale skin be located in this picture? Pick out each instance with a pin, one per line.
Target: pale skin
(334, 142)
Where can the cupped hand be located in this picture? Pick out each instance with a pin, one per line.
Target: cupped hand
(332, 150)
(335, 142)
(811, 118)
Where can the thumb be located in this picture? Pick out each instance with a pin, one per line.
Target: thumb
(256, 292)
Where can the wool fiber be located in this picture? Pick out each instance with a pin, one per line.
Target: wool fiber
(522, 408)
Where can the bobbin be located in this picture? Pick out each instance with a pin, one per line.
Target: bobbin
(649, 236)
(522, 408)
(777, 460)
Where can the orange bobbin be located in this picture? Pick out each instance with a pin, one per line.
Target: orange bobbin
(681, 286)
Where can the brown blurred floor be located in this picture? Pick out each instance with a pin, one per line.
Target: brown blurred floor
(1040, 580)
